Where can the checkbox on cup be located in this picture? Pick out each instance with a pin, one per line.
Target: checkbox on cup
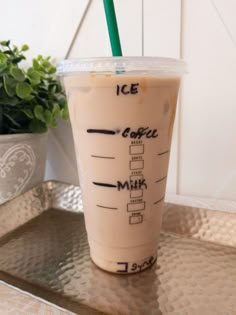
(136, 149)
(136, 193)
(136, 219)
(137, 206)
(136, 165)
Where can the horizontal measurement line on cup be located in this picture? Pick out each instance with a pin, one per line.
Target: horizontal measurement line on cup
(102, 131)
(165, 152)
(161, 179)
(103, 157)
(104, 184)
(155, 203)
(104, 207)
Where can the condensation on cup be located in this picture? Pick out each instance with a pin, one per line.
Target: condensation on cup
(122, 111)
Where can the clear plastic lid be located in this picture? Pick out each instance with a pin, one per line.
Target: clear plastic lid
(118, 65)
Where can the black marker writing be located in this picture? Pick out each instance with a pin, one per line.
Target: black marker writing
(144, 265)
(102, 131)
(124, 265)
(132, 184)
(140, 133)
(104, 184)
(125, 89)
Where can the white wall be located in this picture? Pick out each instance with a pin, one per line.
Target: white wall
(207, 156)
(203, 32)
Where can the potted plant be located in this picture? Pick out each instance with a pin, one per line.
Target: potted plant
(31, 100)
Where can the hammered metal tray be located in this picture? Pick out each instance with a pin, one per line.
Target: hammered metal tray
(44, 250)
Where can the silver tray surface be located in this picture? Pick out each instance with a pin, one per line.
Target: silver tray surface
(44, 251)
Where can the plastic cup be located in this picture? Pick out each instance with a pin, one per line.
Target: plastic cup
(122, 111)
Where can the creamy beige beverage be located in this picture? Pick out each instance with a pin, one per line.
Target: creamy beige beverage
(122, 126)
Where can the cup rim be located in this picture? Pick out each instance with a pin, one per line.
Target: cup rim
(122, 65)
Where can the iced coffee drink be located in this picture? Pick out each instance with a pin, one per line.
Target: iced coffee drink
(122, 119)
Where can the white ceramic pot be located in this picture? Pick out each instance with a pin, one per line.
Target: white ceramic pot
(22, 163)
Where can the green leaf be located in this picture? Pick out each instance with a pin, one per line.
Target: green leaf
(3, 58)
(59, 87)
(17, 74)
(23, 90)
(56, 109)
(8, 52)
(3, 68)
(39, 113)
(28, 112)
(15, 49)
(52, 70)
(5, 43)
(15, 123)
(11, 101)
(46, 64)
(62, 102)
(9, 85)
(48, 117)
(6, 100)
(18, 59)
(29, 97)
(52, 88)
(64, 113)
(36, 65)
(25, 47)
(42, 74)
(42, 101)
(37, 126)
(34, 76)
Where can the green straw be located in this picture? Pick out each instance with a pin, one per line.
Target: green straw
(112, 27)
